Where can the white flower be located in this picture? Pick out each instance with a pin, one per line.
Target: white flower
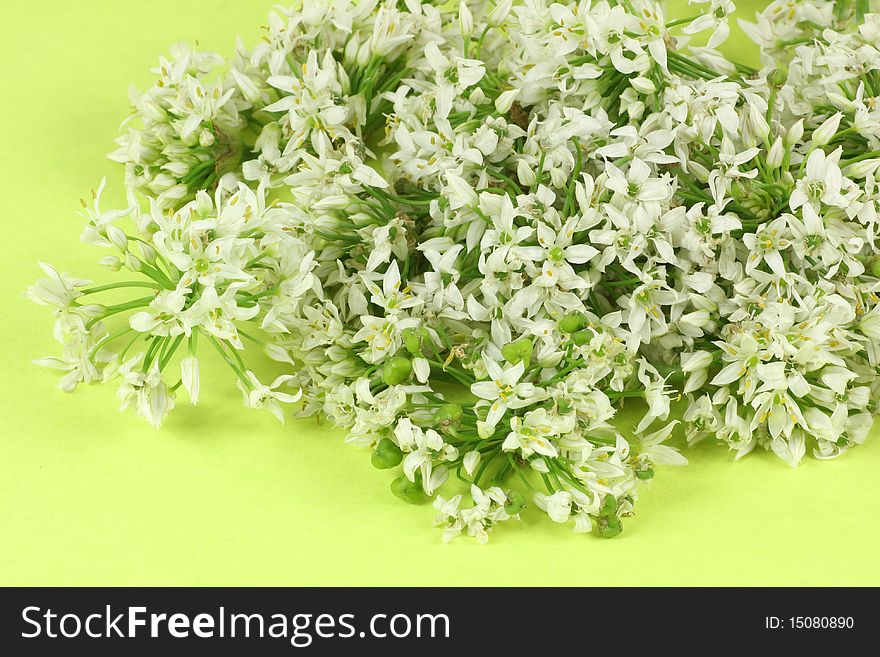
(190, 377)
(426, 449)
(145, 390)
(557, 505)
(534, 432)
(488, 510)
(822, 181)
(504, 390)
(57, 290)
(259, 395)
(650, 447)
(637, 184)
(766, 246)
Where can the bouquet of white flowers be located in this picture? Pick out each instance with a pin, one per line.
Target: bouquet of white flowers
(471, 233)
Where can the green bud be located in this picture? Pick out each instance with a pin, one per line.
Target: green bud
(609, 506)
(777, 78)
(448, 416)
(516, 502)
(581, 337)
(875, 267)
(386, 455)
(646, 474)
(609, 526)
(572, 322)
(396, 370)
(410, 492)
(518, 350)
(412, 340)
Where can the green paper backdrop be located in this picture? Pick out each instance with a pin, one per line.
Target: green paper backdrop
(223, 496)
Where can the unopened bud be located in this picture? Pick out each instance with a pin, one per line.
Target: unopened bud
(609, 526)
(448, 416)
(516, 502)
(396, 370)
(644, 475)
(409, 491)
(825, 132)
(413, 339)
(643, 85)
(776, 154)
(525, 174)
(465, 19)
(518, 351)
(582, 337)
(795, 133)
(386, 455)
(572, 322)
(499, 13)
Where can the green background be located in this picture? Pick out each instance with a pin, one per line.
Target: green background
(225, 496)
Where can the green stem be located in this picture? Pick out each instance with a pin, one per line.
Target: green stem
(120, 308)
(113, 286)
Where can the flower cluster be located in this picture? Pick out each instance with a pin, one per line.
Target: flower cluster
(469, 234)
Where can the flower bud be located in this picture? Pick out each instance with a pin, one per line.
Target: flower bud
(700, 172)
(409, 491)
(189, 376)
(778, 77)
(825, 132)
(448, 416)
(776, 154)
(572, 322)
(396, 370)
(582, 337)
(609, 506)
(148, 253)
(471, 461)
(412, 340)
(465, 19)
(862, 169)
(795, 133)
(178, 168)
(499, 13)
(758, 122)
(516, 502)
(365, 53)
(643, 85)
(386, 455)
(870, 324)
(518, 350)
(505, 101)
(697, 360)
(635, 110)
(131, 262)
(111, 262)
(206, 138)
(422, 369)
(117, 237)
(695, 381)
(609, 526)
(351, 48)
(644, 475)
(525, 174)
